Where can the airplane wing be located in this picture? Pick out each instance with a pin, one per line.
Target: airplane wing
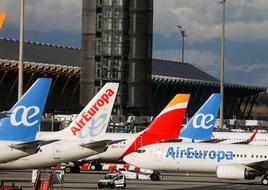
(261, 165)
(213, 141)
(100, 144)
(248, 140)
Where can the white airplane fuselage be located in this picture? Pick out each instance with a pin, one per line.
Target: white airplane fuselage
(51, 154)
(235, 137)
(8, 153)
(195, 157)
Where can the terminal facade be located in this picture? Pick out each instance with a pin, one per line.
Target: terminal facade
(63, 65)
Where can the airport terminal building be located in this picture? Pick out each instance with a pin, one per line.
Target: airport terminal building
(63, 65)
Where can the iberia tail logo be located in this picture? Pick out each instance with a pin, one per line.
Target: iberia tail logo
(165, 126)
(2, 19)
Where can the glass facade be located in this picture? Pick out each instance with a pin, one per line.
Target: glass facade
(109, 45)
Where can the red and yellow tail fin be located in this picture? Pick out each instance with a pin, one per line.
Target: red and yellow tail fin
(166, 126)
(2, 19)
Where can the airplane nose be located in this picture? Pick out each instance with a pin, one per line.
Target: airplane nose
(130, 159)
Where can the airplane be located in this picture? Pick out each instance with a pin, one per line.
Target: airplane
(164, 127)
(70, 143)
(241, 137)
(200, 127)
(228, 161)
(18, 126)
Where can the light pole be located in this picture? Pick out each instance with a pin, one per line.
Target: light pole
(222, 61)
(20, 66)
(183, 35)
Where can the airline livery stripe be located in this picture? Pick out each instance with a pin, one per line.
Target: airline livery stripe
(2, 19)
(174, 107)
(179, 98)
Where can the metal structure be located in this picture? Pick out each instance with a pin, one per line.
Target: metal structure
(20, 66)
(222, 61)
(117, 46)
(183, 35)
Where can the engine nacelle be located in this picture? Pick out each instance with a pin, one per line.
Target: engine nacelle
(234, 172)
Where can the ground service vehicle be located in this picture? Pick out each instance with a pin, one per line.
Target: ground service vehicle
(113, 180)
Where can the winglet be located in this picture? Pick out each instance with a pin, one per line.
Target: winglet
(23, 122)
(253, 136)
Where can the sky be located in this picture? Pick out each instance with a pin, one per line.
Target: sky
(246, 47)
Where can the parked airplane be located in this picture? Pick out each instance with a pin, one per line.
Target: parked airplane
(18, 126)
(228, 161)
(240, 138)
(200, 127)
(164, 127)
(71, 143)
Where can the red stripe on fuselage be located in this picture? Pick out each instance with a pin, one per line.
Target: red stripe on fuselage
(165, 127)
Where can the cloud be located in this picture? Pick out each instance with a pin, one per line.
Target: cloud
(235, 72)
(246, 20)
(45, 15)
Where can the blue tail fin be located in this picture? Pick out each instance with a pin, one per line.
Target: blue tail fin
(24, 119)
(201, 125)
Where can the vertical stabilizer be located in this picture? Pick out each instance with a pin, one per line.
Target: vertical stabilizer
(165, 126)
(23, 120)
(93, 120)
(201, 125)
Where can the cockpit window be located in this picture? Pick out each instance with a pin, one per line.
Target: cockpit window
(140, 151)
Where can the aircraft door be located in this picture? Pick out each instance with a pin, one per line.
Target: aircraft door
(57, 151)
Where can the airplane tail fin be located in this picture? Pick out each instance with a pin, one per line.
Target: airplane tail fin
(21, 124)
(93, 120)
(201, 125)
(165, 126)
(168, 123)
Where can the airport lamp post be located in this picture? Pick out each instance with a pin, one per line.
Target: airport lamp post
(183, 35)
(20, 66)
(222, 61)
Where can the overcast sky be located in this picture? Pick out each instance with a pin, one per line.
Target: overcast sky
(59, 22)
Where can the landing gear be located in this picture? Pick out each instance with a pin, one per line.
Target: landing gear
(264, 180)
(95, 166)
(155, 176)
(70, 169)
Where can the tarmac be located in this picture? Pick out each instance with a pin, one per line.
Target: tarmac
(170, 181)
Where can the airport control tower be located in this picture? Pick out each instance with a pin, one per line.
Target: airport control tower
(117, 46)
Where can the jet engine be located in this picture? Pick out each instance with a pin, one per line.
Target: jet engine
(235, 172)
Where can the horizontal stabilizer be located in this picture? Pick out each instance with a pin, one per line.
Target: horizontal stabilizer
(172, 140)
(32, 144)
(4, 114)
(213, 141)
(100, 144)
(26, 145)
